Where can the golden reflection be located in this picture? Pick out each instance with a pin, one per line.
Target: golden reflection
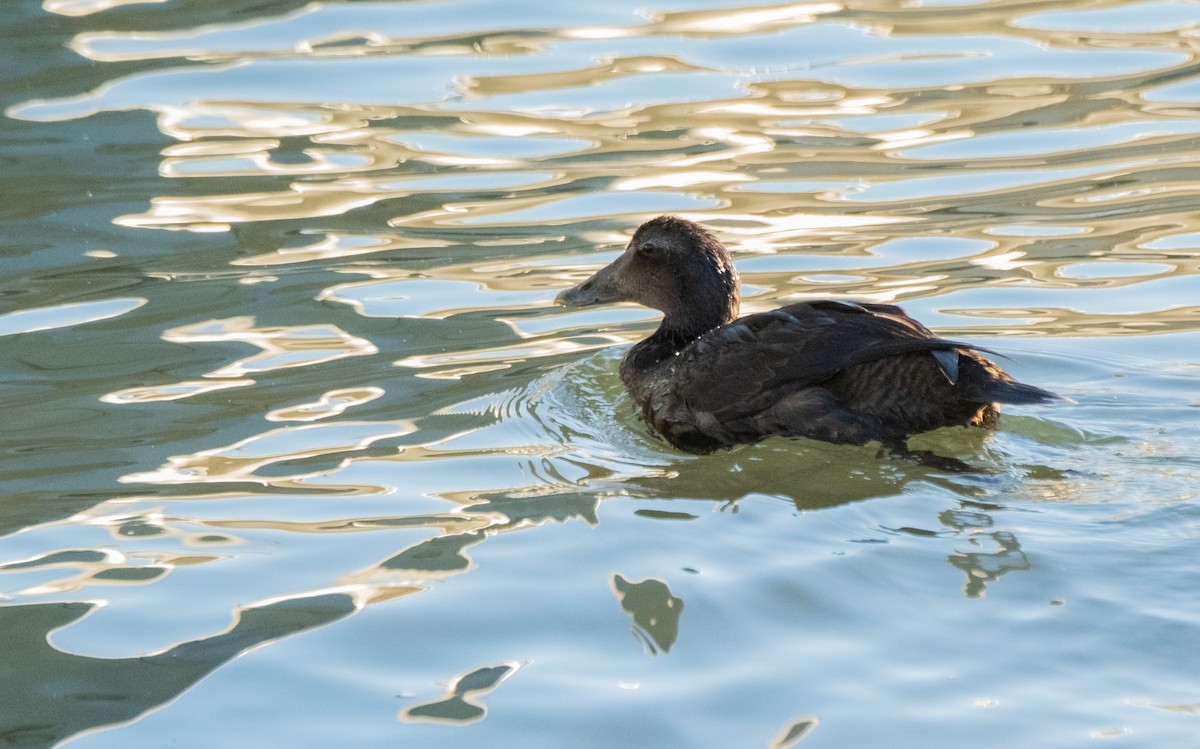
(386, 594)
(466, 211)
(255, 123)
(1189, 708)
(446, 524)
(332, 403)
(455, 365)
(283, 347)
(217, 212)
(719, 147)
(682, 178)
(88, 7)
(123, 46)
(338, 246)
(101, 567)
(907, 139)
(746, 20)
(400, 294)
(251, 159)
(242, 461)
(1051, 321)
(1003, 261)
(479, 86)
(172, 391)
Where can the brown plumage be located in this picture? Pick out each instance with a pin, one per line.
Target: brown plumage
(830, 370)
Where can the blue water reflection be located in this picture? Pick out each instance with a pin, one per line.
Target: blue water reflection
(298, 449)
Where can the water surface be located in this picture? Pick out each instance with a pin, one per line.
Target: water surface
(298, 451)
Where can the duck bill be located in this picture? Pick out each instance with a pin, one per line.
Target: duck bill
(602, 288)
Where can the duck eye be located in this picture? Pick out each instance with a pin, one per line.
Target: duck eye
(650, 248)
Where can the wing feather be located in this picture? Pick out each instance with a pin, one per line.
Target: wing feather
(792, 348)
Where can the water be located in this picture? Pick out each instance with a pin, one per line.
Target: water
(298, 452)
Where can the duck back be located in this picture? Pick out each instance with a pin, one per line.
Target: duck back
(830, 370)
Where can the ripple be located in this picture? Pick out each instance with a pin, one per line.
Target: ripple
(1185, 91)
(1113, 270)
(248, 460)
(65, 315)
(517, 148)
(172, 391)
(283, 347)
(426, 298)
(461, 703)
(336, 246)
(924, 188)
(1033, 143)
(1132, 18)
(641, 203)
(1035, 231)
(1176, 242)
(87, 7)
(332, 403)
(331, 181)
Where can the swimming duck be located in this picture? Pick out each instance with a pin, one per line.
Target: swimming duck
(837, 371)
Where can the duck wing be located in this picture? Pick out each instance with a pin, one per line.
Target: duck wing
(742, 367)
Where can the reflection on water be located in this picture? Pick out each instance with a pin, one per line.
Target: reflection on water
(461, 703)
(45, 680)
(794, 733)
(382, 199)
(66, 315)
(654, 610)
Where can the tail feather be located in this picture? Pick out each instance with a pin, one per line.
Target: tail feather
(982, 381)
(1007, 390)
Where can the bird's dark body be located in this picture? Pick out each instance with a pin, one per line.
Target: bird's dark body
(831, 370)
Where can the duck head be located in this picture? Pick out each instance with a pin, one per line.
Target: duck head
(672, 265)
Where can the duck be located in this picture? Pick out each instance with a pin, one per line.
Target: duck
(838, 371)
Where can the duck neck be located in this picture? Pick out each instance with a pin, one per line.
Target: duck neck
(704, 297)
(673, 335)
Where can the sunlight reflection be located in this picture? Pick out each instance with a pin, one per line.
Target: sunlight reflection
(283, 347)
(455, 365)
(332, 403)
(335, 246)
(217, 212)
(243, 460)
(87, 7)
(171, 391)
(426, 298)
(421, 179)
(743, 21)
